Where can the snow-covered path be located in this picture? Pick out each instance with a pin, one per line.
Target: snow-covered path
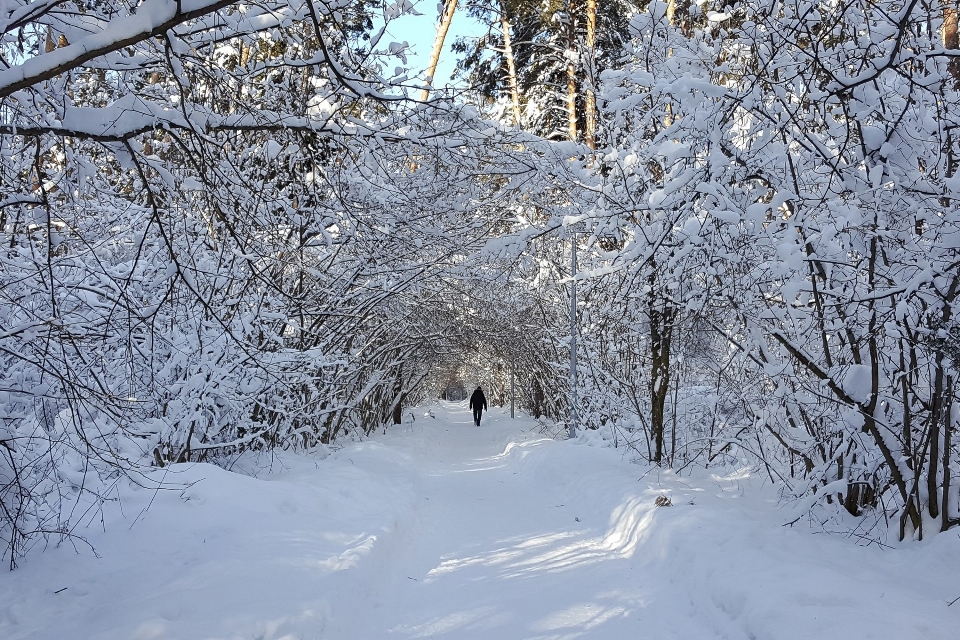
(440, 529)
(496, 549)
(517, 536)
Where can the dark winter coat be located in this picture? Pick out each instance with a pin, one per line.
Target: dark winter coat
(478, 400)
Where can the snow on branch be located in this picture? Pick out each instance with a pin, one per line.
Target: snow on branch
(153, 18)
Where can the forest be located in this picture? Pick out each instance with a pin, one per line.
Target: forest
(233, 227)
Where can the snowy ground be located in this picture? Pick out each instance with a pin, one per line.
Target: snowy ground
(443, 530)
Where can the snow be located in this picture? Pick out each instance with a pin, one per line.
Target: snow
(441, 529)
(858, 382)
(273, 149)
(150, 16)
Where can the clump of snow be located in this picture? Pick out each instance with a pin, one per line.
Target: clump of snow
(857, 383)
(273, 149)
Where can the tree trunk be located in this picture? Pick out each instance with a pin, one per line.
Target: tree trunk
(571, 74)
(398, 396)
(398, 410)
(946, 521)
(661, 333)
(511, 66)
(590, 108)
(446, 17)
(950, 38)
(936, 415)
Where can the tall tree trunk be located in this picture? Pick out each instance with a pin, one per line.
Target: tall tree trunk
(661, 315)
(590, 108)
(950, 37)
(571, 73)
(398, 410)
(940, 407)
(936, 415)
(947, 521)
(672, 8)
(398, 393)
(446, 17)
(511, 66)
(683, 8)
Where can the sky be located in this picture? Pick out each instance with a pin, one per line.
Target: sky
(420, 31)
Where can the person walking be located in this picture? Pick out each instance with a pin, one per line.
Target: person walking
(478, 402)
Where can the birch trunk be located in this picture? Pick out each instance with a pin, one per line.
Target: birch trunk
(446, 17)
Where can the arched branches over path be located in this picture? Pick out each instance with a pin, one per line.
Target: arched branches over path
(223, 229)
(497, 322)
